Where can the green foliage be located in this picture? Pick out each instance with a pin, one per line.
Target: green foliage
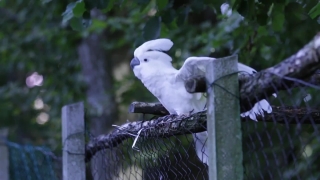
(77, 16)
(278, 17)
(161, 4)
(152, 28)
(43, 36)
(33, 41)
(315, 11)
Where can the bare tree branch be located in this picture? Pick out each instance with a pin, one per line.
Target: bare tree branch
(166, 126)
(173, 125)
(148, 108)
(253, 88)
(279, 114)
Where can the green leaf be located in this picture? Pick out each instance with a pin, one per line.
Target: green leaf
(68, 13)
(315, 11)
(79, 8)
(2, 3)
(262, 18)
(74, 9)
(168, 16)
(278, 22)
(173, 24)
(235, 4)
(162, 4)
(76, 24)
(269, 40)
(99, 4)
(251, 9)
(141, 2)
(262, 30)
(152, 28)
(197, 6)
(77, 16)
(277, 17)
(242, 8)
(110, 6)
(98, 25)
(294, 12)
(183, 13)
(79, 24)
(267, 3)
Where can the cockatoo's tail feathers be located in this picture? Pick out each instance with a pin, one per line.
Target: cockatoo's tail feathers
(154, 45)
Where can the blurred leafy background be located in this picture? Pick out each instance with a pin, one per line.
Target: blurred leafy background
(55, 53)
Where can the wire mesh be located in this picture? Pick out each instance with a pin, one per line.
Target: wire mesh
(29, 162)
(152, 158)
(283, 144)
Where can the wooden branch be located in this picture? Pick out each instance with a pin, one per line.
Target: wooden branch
(279, 114)
(166, 126)
(173, 125)
(198, 84)
(148, 108)
(253, 88)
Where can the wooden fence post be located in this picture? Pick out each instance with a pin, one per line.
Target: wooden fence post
(223, 124)
(4, 155)
(73, 140)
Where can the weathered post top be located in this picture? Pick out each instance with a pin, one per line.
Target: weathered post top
(73, 140)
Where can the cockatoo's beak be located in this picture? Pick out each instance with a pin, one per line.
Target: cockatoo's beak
(134, 62)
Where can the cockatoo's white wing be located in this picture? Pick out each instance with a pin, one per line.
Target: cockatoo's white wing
(245, 68)
(193, 66)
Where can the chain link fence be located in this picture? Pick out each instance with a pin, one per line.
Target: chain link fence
(286, 144)
(27, 162)
(152, 158)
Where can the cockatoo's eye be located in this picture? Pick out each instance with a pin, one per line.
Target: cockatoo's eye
(145, 60)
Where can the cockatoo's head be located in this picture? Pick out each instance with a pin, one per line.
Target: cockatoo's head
(149, 57)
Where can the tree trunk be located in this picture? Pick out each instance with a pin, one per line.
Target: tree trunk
(102, 107)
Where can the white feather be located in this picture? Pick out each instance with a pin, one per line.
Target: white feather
(157, 44)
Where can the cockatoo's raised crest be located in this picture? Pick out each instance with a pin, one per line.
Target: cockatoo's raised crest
(154, 45)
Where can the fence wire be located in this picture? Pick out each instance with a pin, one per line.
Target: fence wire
(286, 144)
(27, 162)
(161, 158)
(283, 144)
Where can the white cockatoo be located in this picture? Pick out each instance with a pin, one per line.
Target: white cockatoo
(154, 68)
